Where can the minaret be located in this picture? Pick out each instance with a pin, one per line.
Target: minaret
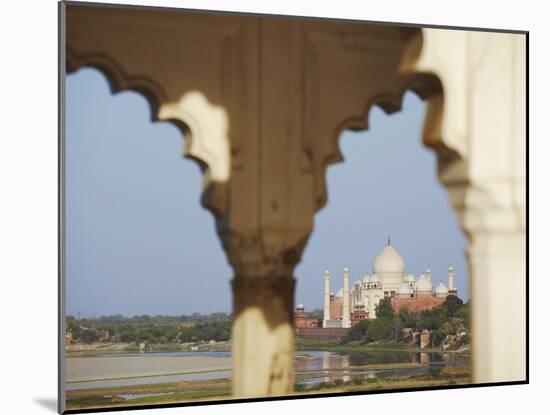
(451, 274)
(326, 315)
(346, 321)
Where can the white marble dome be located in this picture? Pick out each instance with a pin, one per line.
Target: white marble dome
(340, 292)
(410, 278)
(366, 279)
(389, 261)
(300, 307)
(423, 284)
(441, 289)
(374, 278)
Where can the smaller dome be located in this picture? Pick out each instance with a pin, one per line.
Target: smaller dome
(340, 292)
(451, 268)
(441, 288)
(423, 284)
(366, 279)
(358, 282)
(300, 307)
(374, 278)
(346, 269)
(404, 289)
(410, 278)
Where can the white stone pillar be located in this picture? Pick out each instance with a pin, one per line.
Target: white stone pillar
(346, 321)
(451, 274)
(263, 335)
(479, 136)
(326, 315)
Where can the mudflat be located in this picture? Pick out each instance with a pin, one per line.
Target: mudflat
(120, 367)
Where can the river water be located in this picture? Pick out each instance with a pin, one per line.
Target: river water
(311, 367)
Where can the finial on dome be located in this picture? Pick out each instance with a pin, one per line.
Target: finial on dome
(389, 241)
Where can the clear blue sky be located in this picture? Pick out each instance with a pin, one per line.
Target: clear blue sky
(138, 241)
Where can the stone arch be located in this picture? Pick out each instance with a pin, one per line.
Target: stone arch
(429, 88)
(408, 77)
(291, 140)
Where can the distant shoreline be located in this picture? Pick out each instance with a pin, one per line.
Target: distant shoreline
(225, 346)
(96, 347)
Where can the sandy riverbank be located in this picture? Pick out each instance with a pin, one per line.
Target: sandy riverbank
(135, 366)
(221, 389)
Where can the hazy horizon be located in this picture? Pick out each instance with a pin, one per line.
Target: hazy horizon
(139, 242)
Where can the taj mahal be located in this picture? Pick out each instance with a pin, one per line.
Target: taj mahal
(388, 280)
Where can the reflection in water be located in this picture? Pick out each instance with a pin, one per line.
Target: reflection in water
(317, 367)
(361, 358)
(311, 367)
(316, 361)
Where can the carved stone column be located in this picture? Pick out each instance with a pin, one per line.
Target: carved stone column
(476, 124)
(264, 335)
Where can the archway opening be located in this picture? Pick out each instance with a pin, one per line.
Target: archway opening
(386, 197)
(145, 270)
(136, 233)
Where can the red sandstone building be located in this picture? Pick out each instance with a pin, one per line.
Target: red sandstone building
(302, 320)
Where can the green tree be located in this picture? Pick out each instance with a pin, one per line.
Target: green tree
(357, 332)
(454, 326)
(317, 313)
(408, 319)
(397, 326)
(452, 303)
(463, 313)
(88, 336)
(378, 329)
(384, 309)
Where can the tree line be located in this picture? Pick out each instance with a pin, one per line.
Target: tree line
(151, 329)
(452, 318)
